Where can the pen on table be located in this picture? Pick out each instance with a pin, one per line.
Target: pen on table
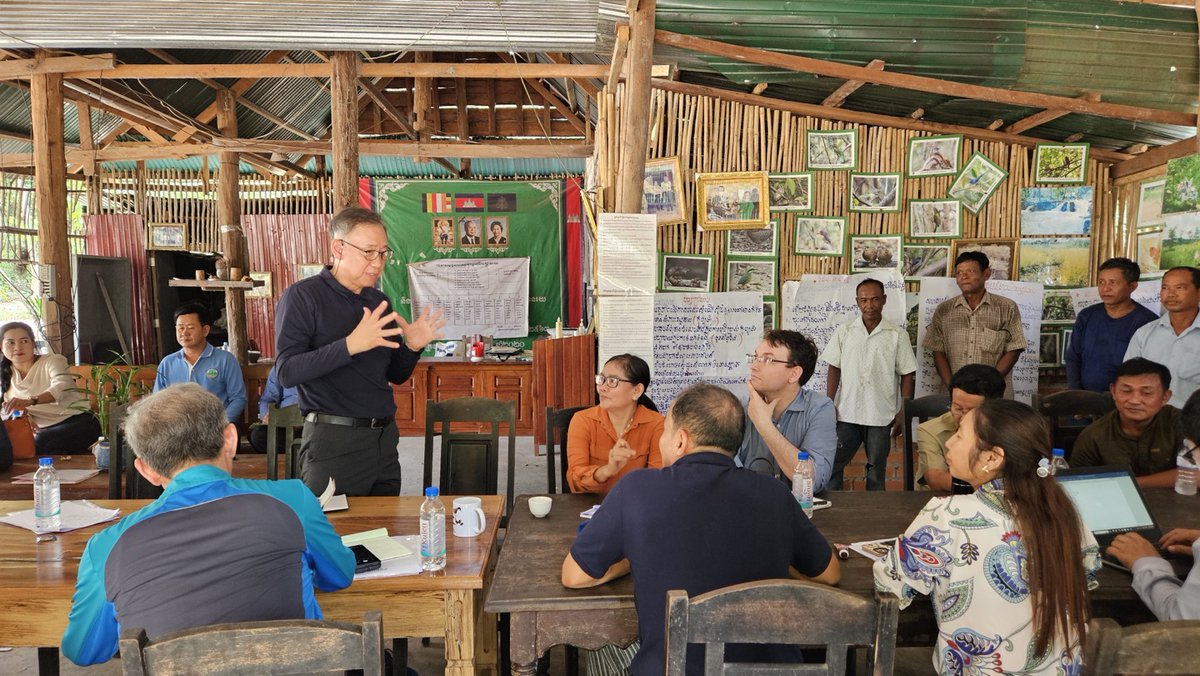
(843, 552)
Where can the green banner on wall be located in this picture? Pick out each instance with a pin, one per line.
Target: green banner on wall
(428, 220)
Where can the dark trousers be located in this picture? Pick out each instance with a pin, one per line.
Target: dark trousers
(258, 439)
(69, 437)
(878, 442)
(363, 461)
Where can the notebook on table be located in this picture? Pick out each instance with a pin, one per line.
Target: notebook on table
(1110, 502)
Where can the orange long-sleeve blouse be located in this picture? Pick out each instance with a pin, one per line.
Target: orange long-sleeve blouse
(591, 436)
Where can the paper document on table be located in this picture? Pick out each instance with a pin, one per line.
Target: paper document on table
(75, 514)
(378, 543)
(330, 502)
(874, 549)
(409, 564)
(65, 476)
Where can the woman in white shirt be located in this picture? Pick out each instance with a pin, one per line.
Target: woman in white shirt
(39, 385)
(1008, 567)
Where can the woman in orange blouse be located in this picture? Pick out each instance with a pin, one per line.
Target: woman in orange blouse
(620, 435)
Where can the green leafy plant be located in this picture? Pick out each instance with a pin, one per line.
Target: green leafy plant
(111, 386)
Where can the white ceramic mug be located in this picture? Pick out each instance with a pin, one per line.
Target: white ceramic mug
(539, 505)
(469, 520)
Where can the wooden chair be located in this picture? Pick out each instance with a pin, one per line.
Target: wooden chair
(1062, 411)
(1154, 648)
(782, 612)
(288, 419)
(470, 461)
(919, 410)
(258, 648)
(124, 481)
(557, 423)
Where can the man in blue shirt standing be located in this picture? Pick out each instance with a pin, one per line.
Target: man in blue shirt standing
(1102, 331)
(199, 362)
(338, 343)
(698, 524)
(212, 549)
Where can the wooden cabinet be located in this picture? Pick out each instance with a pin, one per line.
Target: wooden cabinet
(447, 377)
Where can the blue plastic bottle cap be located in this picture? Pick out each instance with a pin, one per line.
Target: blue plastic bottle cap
(802, 455)
(44, 462)
(431, 492)
(1058, 452)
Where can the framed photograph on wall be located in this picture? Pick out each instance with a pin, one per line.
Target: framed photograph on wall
(933, 156)
(685, 272)
(306, 270)
(1064, 210)
(874, 252)
(830, 150)
(757, 243)
(1056, 261)
(935, 218)
(1057, 307)
(167, 236)
(1150, 203)
(922, 259)
(770, 312)
(1066, 343)
(976, 182)
(1149, 249)
(1050, 352)
(752, 275)
(875, 192)
(264, 291)
(732, 201)
(1060, 163)
(820, 237)
(790, 192)
(1001, 253)
(662, 191)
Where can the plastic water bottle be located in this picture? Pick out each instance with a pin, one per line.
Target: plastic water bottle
(433, 531)
(803, 479)
(1058, 460)
(1185, 479)
(47, 504)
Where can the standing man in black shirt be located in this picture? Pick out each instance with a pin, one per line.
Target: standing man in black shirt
(339, 343)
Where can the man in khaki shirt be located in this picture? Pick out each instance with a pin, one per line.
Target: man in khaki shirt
(970, 386)
(1144, 432)
(977, 327)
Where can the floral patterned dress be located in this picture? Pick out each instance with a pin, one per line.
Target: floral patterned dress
(966, 553)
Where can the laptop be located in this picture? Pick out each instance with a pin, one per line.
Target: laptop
(1109, 502)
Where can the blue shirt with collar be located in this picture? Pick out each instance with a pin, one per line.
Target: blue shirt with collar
(700, 524)
(810, 424)
(274, 393)
(1180, 353)
(1098, 343)
(312, 321)
(216, 371)
(92, 627)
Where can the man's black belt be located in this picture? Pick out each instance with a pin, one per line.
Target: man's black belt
(346, 421)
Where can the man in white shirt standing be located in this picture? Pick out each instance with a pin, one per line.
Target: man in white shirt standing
(1174, 340)
(870, 362)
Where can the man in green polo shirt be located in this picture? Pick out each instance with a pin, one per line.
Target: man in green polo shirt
(1144, 431)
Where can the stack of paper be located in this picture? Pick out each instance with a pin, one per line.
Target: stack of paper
(378, 543)
(75, 514)
(65, 476)
(330, 502)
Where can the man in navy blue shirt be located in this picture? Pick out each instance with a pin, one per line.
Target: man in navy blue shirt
(700, 523)
(337, 342)
(1102, 331)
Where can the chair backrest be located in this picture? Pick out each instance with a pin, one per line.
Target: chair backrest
(470, 461)
(558, 421)
(1062, 411)
(919, 410)
(253, 648)
(787, 612)
(1154, 648)
(288, 419)
(124, 481)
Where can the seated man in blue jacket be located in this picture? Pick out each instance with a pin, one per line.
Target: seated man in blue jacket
(211, 549)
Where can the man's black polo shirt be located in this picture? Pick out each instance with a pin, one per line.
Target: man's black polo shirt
(312, 320)
(700, 524)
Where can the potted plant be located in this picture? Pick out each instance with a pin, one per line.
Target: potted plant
(110, 389)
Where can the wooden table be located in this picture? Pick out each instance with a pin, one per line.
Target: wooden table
(246, 466)
(527, 583)
(37, 581)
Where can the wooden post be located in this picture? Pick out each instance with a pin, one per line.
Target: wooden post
(50, 186)
(635, 111)
(344, 112)
(229, 218)
(422, 101)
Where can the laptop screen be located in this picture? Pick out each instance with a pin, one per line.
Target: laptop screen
(1106, 500)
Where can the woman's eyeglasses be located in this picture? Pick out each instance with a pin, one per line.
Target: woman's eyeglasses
(610, 381)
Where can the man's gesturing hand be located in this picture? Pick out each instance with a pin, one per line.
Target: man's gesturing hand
(422, 330)
(371, 332)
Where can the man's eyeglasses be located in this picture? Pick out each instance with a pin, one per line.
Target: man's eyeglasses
(610, 381)
(765, 359)
(371, 254)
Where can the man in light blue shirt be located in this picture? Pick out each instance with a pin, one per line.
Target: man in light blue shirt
(786, 418)
(1174, 340)
(273, 393)
(198, 362)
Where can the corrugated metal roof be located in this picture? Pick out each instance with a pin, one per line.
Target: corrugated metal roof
(375, 165)
(458, 25)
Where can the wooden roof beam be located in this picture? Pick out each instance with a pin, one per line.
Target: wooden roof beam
(1156, 157)
(551, 98)
(480, 71)
(1011, 97)
(584, 83)
(21, 68)
(1038, 119)
(848, 87)
(376, 95)
(853, 116)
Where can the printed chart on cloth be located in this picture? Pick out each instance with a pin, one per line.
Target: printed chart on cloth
(477, 295)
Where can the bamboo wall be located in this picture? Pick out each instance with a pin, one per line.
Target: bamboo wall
(714, 135)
